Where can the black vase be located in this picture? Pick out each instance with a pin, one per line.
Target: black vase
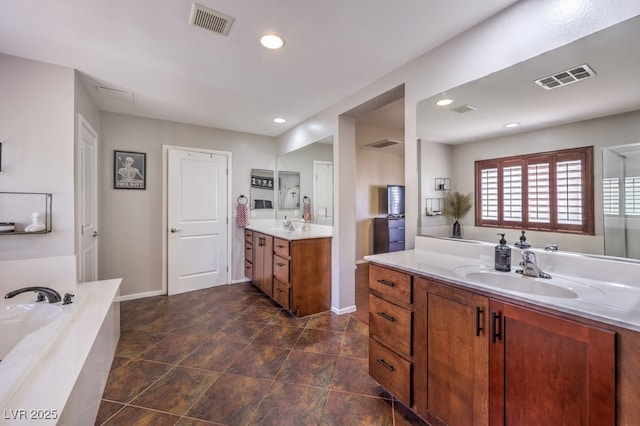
(457, 232)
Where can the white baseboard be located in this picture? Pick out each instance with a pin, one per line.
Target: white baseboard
(139, 295)
(244, 280)
(343, 310)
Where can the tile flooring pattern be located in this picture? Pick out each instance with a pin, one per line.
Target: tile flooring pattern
(230, 356)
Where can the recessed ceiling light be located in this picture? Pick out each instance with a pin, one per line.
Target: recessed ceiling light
(272, 41)
(444, 102)
(511, 125)
(279, 120)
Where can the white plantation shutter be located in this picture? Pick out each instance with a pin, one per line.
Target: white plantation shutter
(632, 196)
(569, 192)
(489, 194)
(512, 193)
(538, 193)
(611, 196)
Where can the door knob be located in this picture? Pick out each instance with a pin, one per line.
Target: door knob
(174, 230)
(96, 234)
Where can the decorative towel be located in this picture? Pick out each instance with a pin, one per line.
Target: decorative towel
(242, 215)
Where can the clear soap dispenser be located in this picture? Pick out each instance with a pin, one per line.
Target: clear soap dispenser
(502, 255)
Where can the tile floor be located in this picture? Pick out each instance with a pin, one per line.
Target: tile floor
(230, 356)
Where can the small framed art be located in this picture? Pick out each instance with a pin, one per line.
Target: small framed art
(129, 170)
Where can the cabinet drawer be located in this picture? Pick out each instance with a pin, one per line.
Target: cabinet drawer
(248, 270)
(248, 236)
(396, 235)
(391, 371)
(281, 269)
(396, 223)
(390, 324)
(281, 247)
(281, 293)
(395, 285)
(248, 252)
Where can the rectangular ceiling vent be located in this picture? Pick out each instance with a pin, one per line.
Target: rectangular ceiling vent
(383, 143)
(463, 108)
(210, 19)
(117, 94)
(563, 78)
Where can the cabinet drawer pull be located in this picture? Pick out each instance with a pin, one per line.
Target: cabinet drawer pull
(386, 316)
(248, 248)
(496, 326)
(479, 312)
(385, 365)
(280, 264)
(280, 246)
(388, 283)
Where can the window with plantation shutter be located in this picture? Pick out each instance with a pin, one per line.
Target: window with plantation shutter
(611, 196)
(632, 196)
(550, 191)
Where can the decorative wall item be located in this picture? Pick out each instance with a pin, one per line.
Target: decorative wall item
(129, 170)
(262, 189)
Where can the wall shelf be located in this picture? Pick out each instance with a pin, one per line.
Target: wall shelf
(434, 206)
(443, 184)
(17, 207)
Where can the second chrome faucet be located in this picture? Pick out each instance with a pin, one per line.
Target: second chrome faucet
(530, 266)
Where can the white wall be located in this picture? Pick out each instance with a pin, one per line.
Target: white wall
(520, 32)
(131, 221)
(37, 135)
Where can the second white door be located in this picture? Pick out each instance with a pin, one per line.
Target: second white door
(197, 219)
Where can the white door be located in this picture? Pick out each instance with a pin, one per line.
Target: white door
(197, 219)
(323, 192)
(88, 261)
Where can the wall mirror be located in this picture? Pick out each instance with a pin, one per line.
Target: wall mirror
(262, 189)
(314, 165)
(288, 190)
(602, 110)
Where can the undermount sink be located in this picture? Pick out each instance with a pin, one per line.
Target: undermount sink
(512, 281)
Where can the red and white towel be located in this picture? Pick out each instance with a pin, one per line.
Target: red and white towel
(242, 215)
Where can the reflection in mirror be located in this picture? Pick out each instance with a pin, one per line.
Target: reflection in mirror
(473, 128)
(621, 200)
(314, 164)
(288, 190)
(262, 189)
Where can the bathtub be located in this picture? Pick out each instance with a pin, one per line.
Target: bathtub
(27, 330)
(56, 358)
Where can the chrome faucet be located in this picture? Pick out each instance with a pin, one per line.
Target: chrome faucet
(530, 266)
(551, 247)
(288, 225)
(52, 295)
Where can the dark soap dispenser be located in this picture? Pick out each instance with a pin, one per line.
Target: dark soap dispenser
(503, 255)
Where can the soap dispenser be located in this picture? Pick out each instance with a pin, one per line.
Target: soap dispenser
(522, 244)
(503, 255)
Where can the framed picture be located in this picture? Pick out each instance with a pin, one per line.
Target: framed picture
(129, 170)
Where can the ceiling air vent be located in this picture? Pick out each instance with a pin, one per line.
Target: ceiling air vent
(563, 78)
(463, 108)
(383, 143)
(210, 19)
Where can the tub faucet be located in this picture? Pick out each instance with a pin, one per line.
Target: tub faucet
(530, 266)
(52, 295)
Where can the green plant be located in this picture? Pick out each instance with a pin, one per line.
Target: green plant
(457, 205)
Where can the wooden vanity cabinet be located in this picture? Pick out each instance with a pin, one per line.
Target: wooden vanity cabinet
(549, 370)
(451, 354)
(476, 359)
(263, 262)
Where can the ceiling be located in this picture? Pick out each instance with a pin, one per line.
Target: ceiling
(511, 95)
(182, 73)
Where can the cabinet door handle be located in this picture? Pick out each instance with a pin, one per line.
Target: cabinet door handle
(385, 365)
(386, 316)
(479, 313)
(496, 326)
(388, 283)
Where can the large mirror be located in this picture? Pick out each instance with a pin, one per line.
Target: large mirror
(312, 167)
(262, 189)
(601, 110)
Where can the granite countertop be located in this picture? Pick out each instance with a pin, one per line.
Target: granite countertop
(610, 302)
(274, 228)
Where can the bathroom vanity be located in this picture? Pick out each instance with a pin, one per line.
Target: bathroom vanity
(461, 343)
(292, 267)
